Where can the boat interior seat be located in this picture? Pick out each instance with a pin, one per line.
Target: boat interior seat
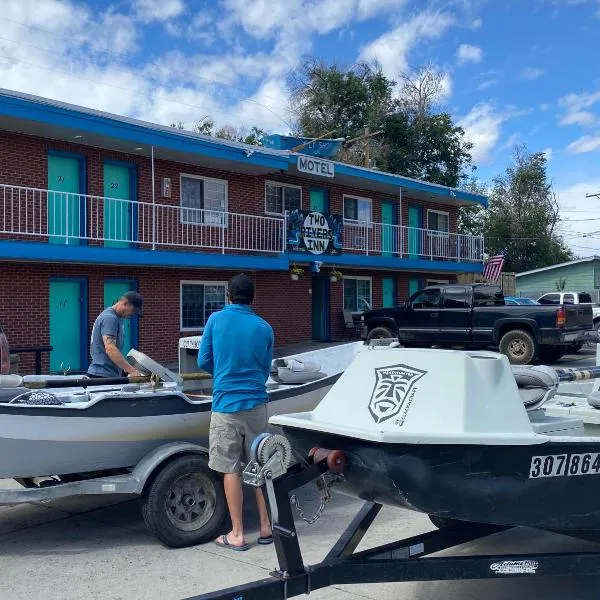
(295, 371)
(536, 384)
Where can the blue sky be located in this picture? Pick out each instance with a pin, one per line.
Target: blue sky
(514, 70)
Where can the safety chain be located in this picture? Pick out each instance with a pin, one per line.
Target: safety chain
(325, 496)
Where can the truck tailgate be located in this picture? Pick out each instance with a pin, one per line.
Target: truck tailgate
(578, 316)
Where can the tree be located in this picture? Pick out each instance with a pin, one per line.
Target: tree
(206, 126)
(471, 219)
(523, 216)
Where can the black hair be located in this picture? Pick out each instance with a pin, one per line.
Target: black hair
(241, 288)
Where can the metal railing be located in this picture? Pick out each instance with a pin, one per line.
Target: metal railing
(64, 217)
(411, 242)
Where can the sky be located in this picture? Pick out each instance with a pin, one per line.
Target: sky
(515, 71)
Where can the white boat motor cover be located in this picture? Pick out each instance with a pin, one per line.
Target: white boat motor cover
(146, 365)
(536, 384)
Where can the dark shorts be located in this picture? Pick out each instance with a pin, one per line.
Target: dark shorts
(231, 436)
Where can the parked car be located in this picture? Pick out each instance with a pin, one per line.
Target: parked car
(4, 353)
(518, 300)
(476, 316)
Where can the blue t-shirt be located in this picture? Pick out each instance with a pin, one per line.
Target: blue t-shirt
(237, 349)
(108, 322)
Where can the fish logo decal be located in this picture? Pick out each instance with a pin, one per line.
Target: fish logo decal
(392, 387)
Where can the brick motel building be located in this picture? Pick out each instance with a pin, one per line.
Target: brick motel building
(93, 204)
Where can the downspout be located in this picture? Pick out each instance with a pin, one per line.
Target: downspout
(153, 203)
(401, 221)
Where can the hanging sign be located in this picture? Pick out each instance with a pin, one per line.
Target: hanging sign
(315, 166)
(314, 232)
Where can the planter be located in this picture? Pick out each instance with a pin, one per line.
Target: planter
(333, 279)
(294, 276)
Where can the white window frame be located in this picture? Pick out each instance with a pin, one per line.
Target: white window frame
(362, 278)
(357, 221)
(203, 178)
(183, 282)
(280, 184)
(439, 212)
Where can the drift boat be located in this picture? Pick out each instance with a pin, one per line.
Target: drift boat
(76, 425)
(460, 436)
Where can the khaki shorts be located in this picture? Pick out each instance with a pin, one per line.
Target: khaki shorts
(231, 436)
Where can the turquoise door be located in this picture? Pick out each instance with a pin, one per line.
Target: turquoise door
(414, 234)
(320, 308)
(389, 297)
(318, 201)
(64, 187)
(113, 290)
(387, 228)
(414, 285)
(117, 211)
(66, 305)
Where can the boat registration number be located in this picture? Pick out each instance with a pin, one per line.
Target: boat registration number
(557, 465)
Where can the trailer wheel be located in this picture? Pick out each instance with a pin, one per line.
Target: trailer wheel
(185, 504)
(519, 346)
(379, 333)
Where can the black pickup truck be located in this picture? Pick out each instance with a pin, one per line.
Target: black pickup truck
(476, 317)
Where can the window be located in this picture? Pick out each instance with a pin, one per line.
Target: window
(568, 299)
(427, 299)
(280, 198)
(549, 299)
(438, 221)
(357, 293)
(456, 297)
(206, 200)
(199, 300)
(488, 295)
(584, 298)
(358, 209)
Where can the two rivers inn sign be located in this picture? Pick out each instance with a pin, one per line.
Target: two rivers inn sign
(314, 232)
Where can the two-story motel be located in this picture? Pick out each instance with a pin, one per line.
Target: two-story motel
(93, 204)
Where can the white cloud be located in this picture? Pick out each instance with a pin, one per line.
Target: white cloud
(548, 153)
(482, 128)
(148, 11)
(586, 143)
(578, 117)
(370, 8)
(468, 53)
(531, 73)
(392, 48)
(476, 24)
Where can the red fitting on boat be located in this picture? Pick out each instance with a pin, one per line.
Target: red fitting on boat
(335, 459)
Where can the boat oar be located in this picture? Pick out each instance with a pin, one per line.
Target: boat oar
(13, 381)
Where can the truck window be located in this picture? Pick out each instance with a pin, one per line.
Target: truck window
(549, 299)
(584, 298)
(456, 298)
(427, 299)
(569, 299)
(488, 295)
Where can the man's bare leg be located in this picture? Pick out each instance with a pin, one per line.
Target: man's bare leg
(265, 524)
(232, 482)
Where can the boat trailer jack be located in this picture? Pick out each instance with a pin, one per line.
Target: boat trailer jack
(401, 561)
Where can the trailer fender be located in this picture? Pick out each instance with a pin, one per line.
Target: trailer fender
(155, 459)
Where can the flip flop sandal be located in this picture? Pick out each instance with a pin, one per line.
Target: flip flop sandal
(224, 543)
(265, 540)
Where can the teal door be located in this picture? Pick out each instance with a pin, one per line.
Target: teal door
(389, 297)
(414, 285)
(66, 305)
(320, 308)
(64, 187)
(117, 211)
(318, 201)
(387, 228)
(113, 290)
(414, 233)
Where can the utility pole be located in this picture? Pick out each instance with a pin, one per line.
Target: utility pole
(365, 137)
(597, 195)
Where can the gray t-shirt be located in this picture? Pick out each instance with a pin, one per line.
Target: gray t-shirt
(107, 323)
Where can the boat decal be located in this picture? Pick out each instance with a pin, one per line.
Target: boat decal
(564, 465)
(393, 390)
(511, 567)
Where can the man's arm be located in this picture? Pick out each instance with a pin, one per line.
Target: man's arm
(205, 354)
(110, 345)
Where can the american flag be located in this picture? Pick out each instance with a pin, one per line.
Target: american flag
(493, 267)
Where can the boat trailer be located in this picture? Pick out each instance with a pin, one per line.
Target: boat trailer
(405, 560)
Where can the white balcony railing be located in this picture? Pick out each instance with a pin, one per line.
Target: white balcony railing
(61, 217)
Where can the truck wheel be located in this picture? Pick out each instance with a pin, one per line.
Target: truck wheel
(185, 503)
(575, 348)
(519, 346)
(379, 333)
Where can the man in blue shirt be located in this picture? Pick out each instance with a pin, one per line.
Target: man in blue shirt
(237, 349)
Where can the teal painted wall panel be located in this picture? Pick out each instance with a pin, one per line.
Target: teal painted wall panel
(579, 278)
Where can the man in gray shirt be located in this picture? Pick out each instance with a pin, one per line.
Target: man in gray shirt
(107, 337)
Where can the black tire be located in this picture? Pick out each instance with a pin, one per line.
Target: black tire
(380, 333)
(519, 346)
(575, 348)
(185, 503)
(552, 353)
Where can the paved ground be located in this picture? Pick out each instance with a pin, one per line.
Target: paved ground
(98, 548)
